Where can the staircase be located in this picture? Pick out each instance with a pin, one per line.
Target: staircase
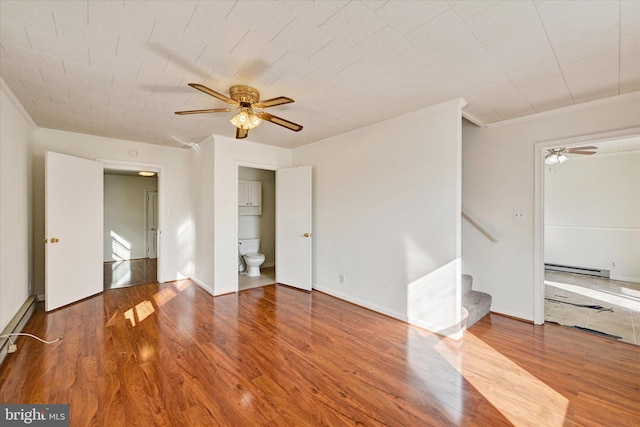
(475, 305)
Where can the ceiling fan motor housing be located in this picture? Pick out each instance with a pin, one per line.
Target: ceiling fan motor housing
(244, 94)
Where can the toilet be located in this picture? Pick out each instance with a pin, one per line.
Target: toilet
(249, 251)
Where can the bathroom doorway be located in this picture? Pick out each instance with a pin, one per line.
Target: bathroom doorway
(256, 220)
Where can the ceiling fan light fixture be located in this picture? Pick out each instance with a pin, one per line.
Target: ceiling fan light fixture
(562, 158)
(246, 119)
(552, 159)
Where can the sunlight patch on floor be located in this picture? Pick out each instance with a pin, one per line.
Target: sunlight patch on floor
(626, 302)
(522, 398)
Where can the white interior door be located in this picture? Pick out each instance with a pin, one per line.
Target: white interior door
(293, 227)
(73, 229)
(152, 224)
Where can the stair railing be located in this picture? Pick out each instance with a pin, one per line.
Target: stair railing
(471, 220)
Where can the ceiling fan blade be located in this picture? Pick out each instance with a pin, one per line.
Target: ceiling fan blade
(581, 152)
(241, 133)
(211, 110)
(279, 121)
(213, 93)
(273, 102)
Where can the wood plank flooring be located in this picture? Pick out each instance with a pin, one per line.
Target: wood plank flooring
(172, 355)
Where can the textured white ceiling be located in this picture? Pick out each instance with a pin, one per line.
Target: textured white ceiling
(120, 68)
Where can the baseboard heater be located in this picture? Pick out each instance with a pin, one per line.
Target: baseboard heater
(578, 270)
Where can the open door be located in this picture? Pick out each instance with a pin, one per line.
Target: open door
(293, 227)
(73, 229)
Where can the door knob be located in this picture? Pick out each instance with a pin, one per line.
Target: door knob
(306, 234)
(54, 240)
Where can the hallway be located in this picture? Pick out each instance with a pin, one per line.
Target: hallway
(120, 274)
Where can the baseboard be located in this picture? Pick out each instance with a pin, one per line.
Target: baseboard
(454, 332)
(16, 324)
(205, 287)
(361, 303)
(625, 278)
(519, 319)
(505, 313)
(268, 264)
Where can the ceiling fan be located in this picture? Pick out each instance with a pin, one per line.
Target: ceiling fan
(245, 100)
(557, 155)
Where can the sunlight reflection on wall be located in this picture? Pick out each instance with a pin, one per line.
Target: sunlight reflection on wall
(434, 300)
(186, 235)
(120, 247)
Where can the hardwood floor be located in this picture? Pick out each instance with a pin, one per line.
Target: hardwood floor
(171, 354)
(120, 274)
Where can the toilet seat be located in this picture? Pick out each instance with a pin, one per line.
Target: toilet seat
(254, 256)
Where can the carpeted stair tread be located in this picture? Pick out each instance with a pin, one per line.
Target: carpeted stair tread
(475, 304)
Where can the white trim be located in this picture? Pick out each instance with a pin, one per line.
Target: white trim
(567, 109)
(538, 205)
(361, 303)
(16, 102)
(594, 227)
(133, 166)
(205, 287)
(476, 121)
(625, 278)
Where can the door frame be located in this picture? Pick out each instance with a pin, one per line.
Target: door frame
(538, 205)
(252, 165)
(147, 200)
(158, 169)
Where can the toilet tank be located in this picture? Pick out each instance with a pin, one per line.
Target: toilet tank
(249, 246)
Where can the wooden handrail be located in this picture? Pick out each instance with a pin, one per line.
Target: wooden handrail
(466, 215)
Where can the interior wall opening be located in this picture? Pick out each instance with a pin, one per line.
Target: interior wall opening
(256, 227)
(130, 242)
(591, 244)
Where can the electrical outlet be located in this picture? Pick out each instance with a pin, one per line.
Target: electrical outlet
(613, 264)
(341, 279)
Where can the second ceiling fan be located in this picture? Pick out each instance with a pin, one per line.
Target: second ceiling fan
(245, 100)
(555, 156)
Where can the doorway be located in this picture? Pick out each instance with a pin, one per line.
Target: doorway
(584, 240)
(257, 220)
(130, 228)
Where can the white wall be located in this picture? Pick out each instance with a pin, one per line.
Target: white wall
(125, 215)
(498, 177)
(16, 136)
(592, 214)
(215, 184)
(386, 215)
(261, 226)
(176, 238)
